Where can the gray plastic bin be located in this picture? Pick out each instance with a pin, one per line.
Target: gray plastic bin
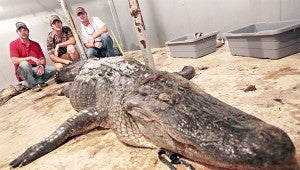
(190, 47)
(272, 40)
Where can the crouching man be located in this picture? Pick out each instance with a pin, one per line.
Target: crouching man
(61, 44)
(29, 60)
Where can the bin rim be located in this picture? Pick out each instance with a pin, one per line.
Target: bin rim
(204, 36)
(294, 25)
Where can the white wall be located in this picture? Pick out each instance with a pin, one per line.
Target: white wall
(169, 19)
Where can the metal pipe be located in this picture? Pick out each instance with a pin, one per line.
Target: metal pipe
(137, 17)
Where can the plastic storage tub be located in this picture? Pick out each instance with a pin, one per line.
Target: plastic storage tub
(190, 47)
(272, 40)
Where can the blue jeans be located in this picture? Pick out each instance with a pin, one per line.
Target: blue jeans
(106, 50)
(28, 74)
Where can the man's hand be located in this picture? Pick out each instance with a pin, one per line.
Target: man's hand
(40, 70)
(98, 44)
(67, 62)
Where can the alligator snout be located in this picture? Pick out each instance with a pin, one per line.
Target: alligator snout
(268, 145)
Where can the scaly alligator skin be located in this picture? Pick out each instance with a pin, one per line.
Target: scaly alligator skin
(153, 109)
(10, 92)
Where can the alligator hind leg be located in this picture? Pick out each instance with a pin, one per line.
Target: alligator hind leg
(80, 123)
(175, 159)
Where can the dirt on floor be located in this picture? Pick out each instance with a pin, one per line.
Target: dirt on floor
(267, 89)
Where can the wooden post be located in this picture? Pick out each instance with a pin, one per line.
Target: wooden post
(73, 28)
(137, 17)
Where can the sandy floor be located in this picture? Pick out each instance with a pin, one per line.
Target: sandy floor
(30, 117)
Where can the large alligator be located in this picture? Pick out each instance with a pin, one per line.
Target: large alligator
(155, 109)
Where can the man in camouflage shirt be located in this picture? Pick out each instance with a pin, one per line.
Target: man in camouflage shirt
(61, 44)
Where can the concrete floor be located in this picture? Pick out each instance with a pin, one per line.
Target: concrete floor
(30, 117)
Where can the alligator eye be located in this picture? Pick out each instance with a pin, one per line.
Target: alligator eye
(169, 84)
(144, 90)
(164, 97)
(180, 88)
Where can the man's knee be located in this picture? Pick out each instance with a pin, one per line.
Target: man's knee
(24, 67)
(106, 37)
(91, 52)
(71, 49)
(24, 64)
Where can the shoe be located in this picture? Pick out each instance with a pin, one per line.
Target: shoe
(21, 88)
(56, 77)
(37, 88)
(43, 84)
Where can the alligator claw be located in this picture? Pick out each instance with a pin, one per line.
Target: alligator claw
(28, 156)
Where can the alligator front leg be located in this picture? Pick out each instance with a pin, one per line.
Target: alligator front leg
(80, 123)
(187, 72)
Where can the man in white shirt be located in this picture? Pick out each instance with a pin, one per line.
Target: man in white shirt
(94, 35)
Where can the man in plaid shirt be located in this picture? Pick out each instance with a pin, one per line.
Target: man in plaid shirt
(61, 44)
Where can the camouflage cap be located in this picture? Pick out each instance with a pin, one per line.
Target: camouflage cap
(79, 10)
(21, 25)
(52, 18)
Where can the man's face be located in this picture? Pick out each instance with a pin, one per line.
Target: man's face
(56, 25)
(23, 33)
(82, 16)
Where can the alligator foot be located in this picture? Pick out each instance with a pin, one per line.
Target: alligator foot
(175, 159)
(187, 72)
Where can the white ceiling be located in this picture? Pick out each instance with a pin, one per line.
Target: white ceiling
(17, 8)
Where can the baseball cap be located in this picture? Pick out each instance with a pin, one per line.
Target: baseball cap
(79, 10)
(20, 25)
(53, 18)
